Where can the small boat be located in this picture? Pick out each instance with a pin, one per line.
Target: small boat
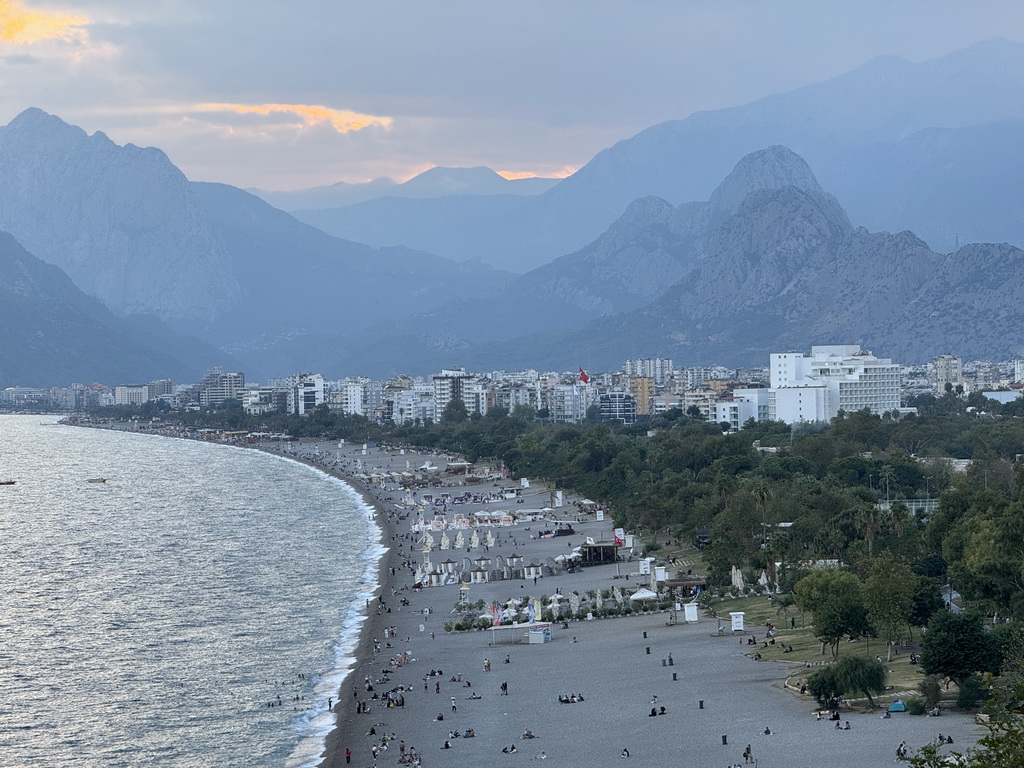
(96, 480)
(8, 482)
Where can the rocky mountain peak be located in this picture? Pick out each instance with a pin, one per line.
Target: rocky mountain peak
(122, 222)
(770, 168)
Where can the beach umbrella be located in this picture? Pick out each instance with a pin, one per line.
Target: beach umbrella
(556, 597)
(445, 541)
(428, 542)
(490, 539)
(474, 540)
(460, 540)
(574, 603)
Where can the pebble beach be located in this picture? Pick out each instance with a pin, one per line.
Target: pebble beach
(648, 686)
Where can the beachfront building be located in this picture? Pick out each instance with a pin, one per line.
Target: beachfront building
(257, 400)
(305, 391)
(349, 397)
(832, 378)
(131, 394)
(416, 404)
(219, 385)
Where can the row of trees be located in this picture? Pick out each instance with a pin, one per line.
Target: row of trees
(673, 474)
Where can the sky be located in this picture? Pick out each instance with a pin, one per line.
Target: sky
(290, 95)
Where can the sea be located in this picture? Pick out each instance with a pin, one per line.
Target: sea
(198, 608)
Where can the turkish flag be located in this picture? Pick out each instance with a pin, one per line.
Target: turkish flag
(583, 376)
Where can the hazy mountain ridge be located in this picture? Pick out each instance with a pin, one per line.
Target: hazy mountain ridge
(784, 270)
(846, 128)
(435, 182)
(51, 333)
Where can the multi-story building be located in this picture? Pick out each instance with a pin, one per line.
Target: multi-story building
(448, 385)
(946, 369)
(349, 397)
(415, 404)
(741, 405)
(832, 378)
(618, 406)
(218, 386)
(642, 390)
(657, 368)
(131, 394)
(567, 403)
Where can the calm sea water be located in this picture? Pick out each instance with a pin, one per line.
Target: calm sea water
(197, 609)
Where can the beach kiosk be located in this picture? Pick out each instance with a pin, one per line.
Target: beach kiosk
(533, 571)
(690, 610)
(737, 620)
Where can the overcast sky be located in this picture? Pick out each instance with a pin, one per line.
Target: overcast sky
(285, 95)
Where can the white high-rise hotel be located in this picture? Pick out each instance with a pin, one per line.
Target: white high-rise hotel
(832, 378)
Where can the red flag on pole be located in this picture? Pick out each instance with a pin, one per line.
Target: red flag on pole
(583, 376)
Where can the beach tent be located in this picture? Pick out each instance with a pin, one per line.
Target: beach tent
(897, 706)
(643, 594)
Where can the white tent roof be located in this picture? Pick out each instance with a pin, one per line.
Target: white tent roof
(643, 594)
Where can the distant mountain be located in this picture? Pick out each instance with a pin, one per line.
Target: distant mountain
(301, 286)
(435, 182)
(52, 334)
(652, 246)
(877, 118)
(121, 221)
(771, 262)
(212, 260)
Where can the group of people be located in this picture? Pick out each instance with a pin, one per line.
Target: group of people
(571, 698)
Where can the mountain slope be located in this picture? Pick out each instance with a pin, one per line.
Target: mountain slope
(52, 334)
(835, 125)
(121, 221)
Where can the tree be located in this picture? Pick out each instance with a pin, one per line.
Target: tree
(836, 602)
(454, 412)
(824, 687)
(956, 646)
(927, 600)
(889, 596)
(858, 674)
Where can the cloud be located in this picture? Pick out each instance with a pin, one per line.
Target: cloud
(341, 120)
(20, 25)
(560, 172)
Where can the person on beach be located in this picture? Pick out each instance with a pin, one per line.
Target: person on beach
(504, 688)
(748, 755)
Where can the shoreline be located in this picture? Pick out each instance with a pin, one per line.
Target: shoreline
(717, 698)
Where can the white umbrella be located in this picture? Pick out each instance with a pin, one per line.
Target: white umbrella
(445, 541)
(556, 597)
(460, 540)
(474, 540)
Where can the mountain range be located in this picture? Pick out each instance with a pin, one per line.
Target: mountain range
(435, 182)
(638, 254)
(902, 145)
(770, 262)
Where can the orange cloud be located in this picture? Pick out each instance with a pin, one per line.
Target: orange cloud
(557, 173)
(20, 25)
(342, 120)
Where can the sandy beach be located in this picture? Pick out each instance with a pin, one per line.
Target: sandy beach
(716, 699)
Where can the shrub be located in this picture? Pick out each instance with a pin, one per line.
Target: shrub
(915, 706)
(483, 623)
(970, 691)
(931, 689)
(448, 626)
